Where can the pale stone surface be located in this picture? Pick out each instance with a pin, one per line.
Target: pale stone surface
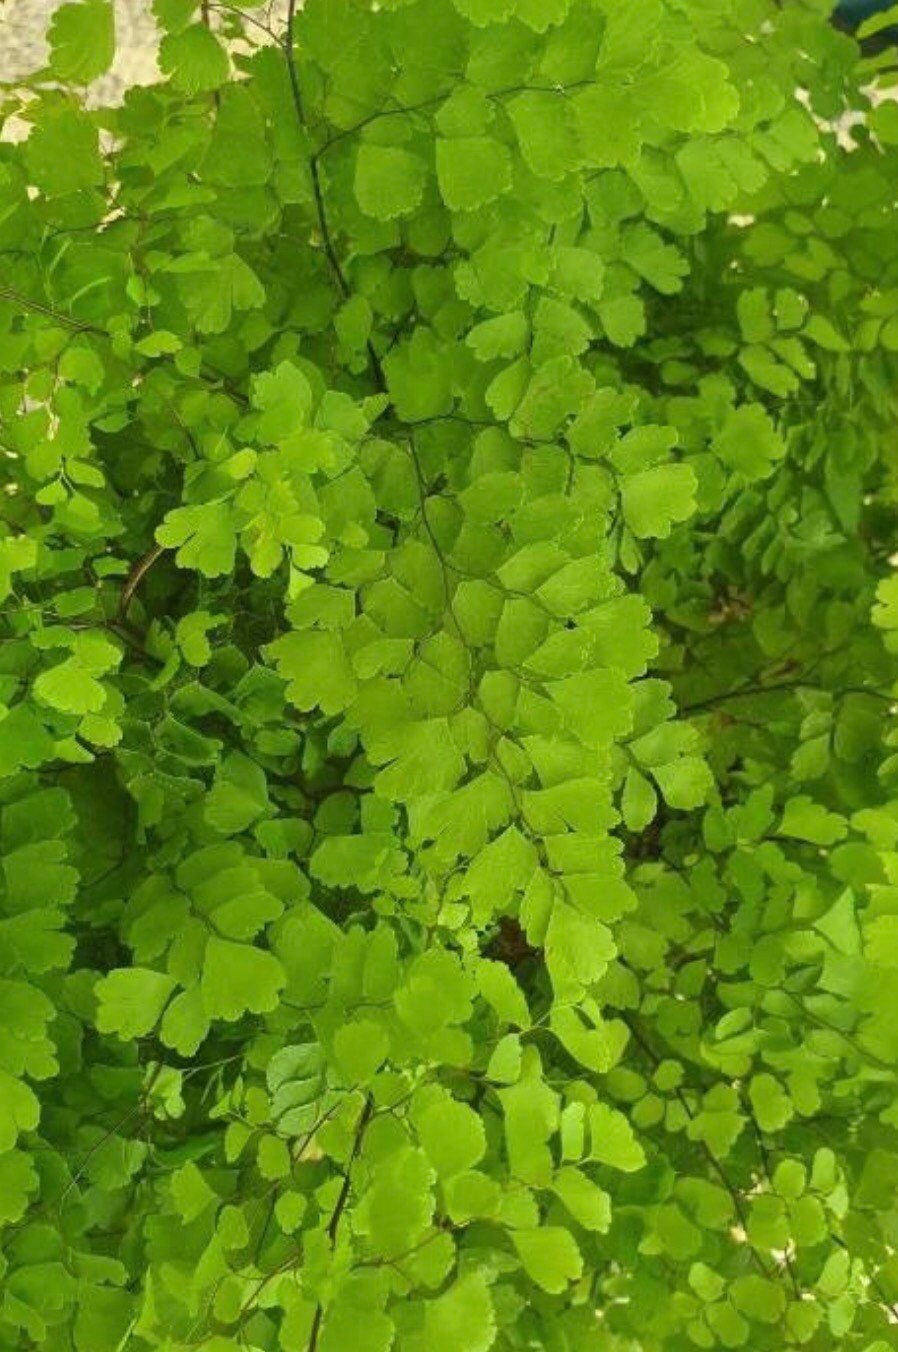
(23, 48)
(23, 24)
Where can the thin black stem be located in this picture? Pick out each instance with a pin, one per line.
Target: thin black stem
(327, 238)
(26, 303)
(712, 1159)
(891, 1306)
(296, 93)
(768, 1174)
(750, 691)
(334, 1223)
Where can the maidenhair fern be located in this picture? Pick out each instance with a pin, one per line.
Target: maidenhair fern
(448, 647)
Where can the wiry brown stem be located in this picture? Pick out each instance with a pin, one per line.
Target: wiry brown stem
(134, 579)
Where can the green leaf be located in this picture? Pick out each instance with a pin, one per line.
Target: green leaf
(884, 121)
(623, 319)
(212, 294)
(550, 1257)
(63, 154)
(759, 1298)
(545, 131)
(880, 935)
(460, 1320)
(294, 1076)
(192, 633)
(654, 499)
(715, 102)
(70, 688)
(874, 23)
(612, 1140)
(499, 988)
(17, 554)
(389, 181)
(707, 1283)
(82, 40)
(885, 612)
(639, 801)
(822, 332)
(589, 1205)
(504, 1065)
(607, 138)
(18, 1182)
(238, 797)
(361, 1048)
(484, 12)
(19, 1110)
(504, 336)
(839, 924)
(448, 773)
(194, 59)
(594, 1043)
(531, 1116)
(772, 1106)
(685, 783)
(451, 1134)
(284, 396)
(755, 318)
(130, 1001)
(191, 1193)
(238, 979)
(660, 264)
(749, 442)
(578, 947)
(339, 1330)
(316, 669)
(203, 537)
(789, 1178)
(472, 171)
(397, 1208)
(597, 705)
(804, 819)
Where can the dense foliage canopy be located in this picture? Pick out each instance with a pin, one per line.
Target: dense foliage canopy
(449, 796)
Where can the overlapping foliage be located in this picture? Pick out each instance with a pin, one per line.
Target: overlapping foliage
(450, 797)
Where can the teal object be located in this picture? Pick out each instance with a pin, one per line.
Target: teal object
(851, 13)
(858, 10)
